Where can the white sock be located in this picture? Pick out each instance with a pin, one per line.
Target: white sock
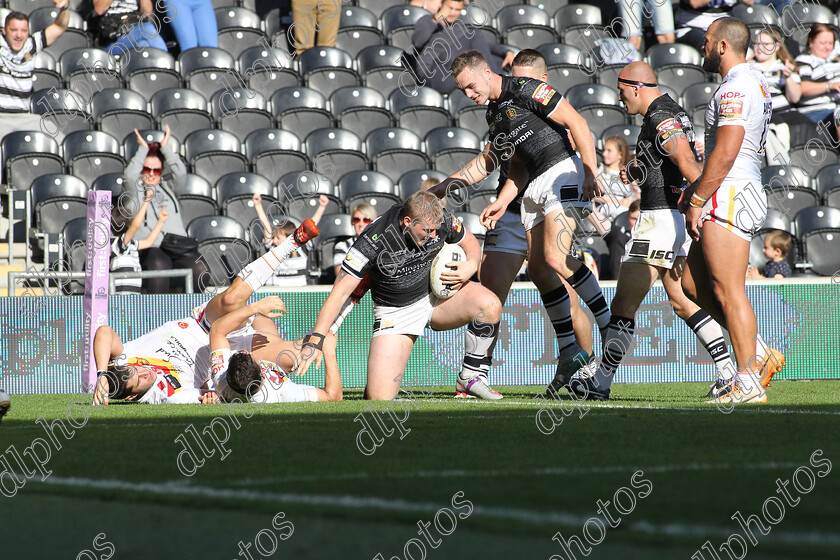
(760, 347)
(258, 272)
(747, 381)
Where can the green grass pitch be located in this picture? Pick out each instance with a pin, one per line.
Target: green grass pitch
(117, 475)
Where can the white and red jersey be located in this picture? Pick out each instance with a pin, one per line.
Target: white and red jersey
(275, 386)
(743, 99)
(178, 352)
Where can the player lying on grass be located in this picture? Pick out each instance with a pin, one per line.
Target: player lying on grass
(530, 118)
(242, 375)
(505, 246)
(171, 364)
(665, 158)
(396, 252)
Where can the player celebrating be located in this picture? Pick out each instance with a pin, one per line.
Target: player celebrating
(530, 119)
(505, 246)
(728, 204)
(171, 364)
(659, 243)
(396, 252)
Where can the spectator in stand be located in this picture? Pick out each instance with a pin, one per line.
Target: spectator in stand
(662, 14)
(617, 196)
(194, 23)
(618, 236)
(17, 62)
(315, 23)
(125, 256)
(777, 245)
(429, 183)
(110, 18)
(820, 71)
(362, 215)
(293, 270)
(781, 72)
(439, 38)
(695, 16)
(175, 250)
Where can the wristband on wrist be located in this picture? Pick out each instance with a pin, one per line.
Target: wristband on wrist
(697, 202)
(309, 340)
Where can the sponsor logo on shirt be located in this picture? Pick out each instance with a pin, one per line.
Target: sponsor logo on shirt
(543, 93)
(731, 94)
(732, 109)
(183, 325)
(456, 224)
(355, 260)
(669, 128)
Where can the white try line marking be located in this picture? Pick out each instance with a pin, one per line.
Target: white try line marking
(183, 488)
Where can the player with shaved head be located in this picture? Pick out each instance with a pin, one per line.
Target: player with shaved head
(659, 243)
(725, 207)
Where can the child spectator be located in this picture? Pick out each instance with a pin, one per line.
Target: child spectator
(293, 270)
(125, 250)
(617, 196)
(777, 245)
(361, 216)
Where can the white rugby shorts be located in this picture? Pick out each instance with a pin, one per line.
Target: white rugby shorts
(658, 237)
(411, 319)
(738, 206)
(508, 236)
(561, 186)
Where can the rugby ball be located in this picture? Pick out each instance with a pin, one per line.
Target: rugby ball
(450, 253)
(5, 403)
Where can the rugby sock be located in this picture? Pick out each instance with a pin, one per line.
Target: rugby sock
(760, 347)
(585, 284)
(617, 341)
(477, 341)
(558, 308)
(708, 331)
(258, 272)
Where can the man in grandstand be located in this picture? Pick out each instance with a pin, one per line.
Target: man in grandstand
(171, 364)
(528, 119)
(396, 253)
(505, 246)
(728, 205)
(659, 244)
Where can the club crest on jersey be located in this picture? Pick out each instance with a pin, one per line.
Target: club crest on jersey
(183, 325)
(456, 224)
(510, 113)
(543, 93)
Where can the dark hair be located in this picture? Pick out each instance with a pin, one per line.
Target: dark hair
(155, 151)
(529, 57)
(818, 28)
(635, 206)
(467, 59)
(117, 377)
(119, 221)
(780, 240)
(15, 15)
(733, 31)
(244, 374)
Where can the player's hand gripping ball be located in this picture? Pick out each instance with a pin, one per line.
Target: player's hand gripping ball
(450, 253)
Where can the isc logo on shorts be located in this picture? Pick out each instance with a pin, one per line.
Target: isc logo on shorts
(660, 254)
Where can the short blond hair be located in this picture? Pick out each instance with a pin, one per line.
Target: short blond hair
(365, 210)
(423, 204)
(467, 59)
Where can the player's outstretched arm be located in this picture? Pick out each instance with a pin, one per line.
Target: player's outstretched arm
(106, 346)
(271, 307)
(477, 169)
(341, 290)
(517, 180)
(566, 115)
(332, 376)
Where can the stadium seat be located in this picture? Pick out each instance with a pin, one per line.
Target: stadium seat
(472, 222)
(813, 158)
(757, 16)
(371, 187)
(819, 230)
(118, 110)
(827, 183)
(239, 29)
(268, 69)
(45, 75)
(358, 29)
(556, 54)
(184, 110)
(695, 99)
(234, 192)
(300, 110)
(223, 245)
(73, 241)
(27, 6)
(360, 110)
(333, 228)
(273, 151)
(149, 71)
(129, 143)
(798, 17)
(91, 153)
(57, 199)
(27, 155)
(196, 198)
(334, 152)
(478, 200)
(679, 77)
(411, 181)
(63, 111)
(393, 151)
(89, 70)
(568, 76)
(450, 147)
(550, 6)
(327, 69)
(110, 182)
(788, 188)
(204, 69)
(298, 193)
(240, 111)
(421, 112)
(525, 26)
(377, 7)
(467, 114)
(598, 104)
(212, 153)
(74, 37)
(608, 74)
(579, 24)
(477, 18)
(398, 25)
(673, 54)
(630, 133)
(380, 68)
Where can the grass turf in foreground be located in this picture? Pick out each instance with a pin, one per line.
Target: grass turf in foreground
(118, 476)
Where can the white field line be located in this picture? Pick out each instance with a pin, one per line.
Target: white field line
(183, 488)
